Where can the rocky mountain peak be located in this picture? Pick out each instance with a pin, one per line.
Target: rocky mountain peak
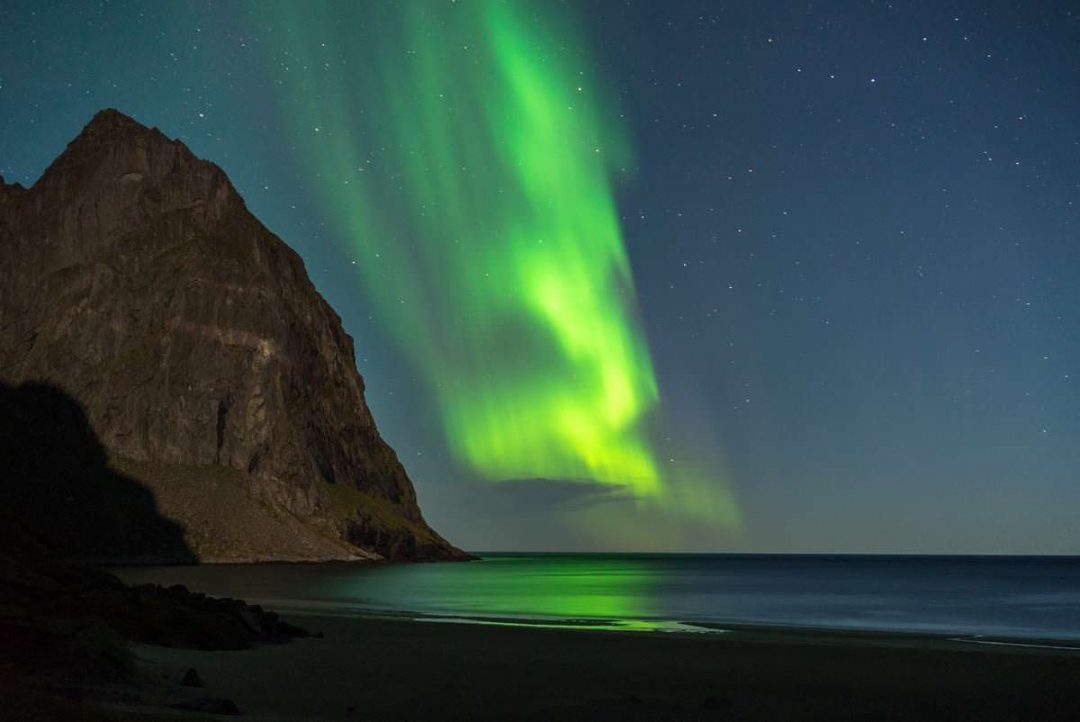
(133, 277)
(111, 123)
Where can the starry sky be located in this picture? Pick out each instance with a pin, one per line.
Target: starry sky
(851, 285)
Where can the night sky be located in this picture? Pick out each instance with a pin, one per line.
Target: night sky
(850, 227)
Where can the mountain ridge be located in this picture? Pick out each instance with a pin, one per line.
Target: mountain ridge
(135, 279)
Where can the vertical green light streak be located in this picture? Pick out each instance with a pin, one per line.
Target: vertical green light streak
(465, 152)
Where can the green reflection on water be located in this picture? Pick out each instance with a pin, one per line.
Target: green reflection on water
(580, 590)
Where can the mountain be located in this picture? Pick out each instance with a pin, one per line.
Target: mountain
(136, 286)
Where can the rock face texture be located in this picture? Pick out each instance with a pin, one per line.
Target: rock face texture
(133, 277)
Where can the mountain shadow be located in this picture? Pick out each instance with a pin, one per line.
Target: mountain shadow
(56, 484)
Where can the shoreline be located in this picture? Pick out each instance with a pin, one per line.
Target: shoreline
(453, 662)
(663, 627)
(548, 587)
(393, 668)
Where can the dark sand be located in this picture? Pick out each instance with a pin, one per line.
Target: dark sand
(392, 669)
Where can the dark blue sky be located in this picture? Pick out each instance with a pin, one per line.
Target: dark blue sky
(852, 227)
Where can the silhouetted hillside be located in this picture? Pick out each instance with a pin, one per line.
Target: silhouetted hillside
(56, 483)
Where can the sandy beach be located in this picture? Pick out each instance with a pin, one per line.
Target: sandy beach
(396, 669)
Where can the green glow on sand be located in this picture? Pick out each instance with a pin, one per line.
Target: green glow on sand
(468, 154)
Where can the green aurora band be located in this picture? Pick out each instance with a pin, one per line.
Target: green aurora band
(467, 155)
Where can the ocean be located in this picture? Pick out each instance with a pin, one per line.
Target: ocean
(988, 596)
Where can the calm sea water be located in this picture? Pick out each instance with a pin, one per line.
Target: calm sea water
(1028, 597)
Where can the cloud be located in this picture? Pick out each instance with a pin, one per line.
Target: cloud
(559, 494)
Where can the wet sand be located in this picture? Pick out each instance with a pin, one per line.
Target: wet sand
(397, 669)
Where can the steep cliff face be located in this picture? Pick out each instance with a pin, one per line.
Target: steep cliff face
(133, 277)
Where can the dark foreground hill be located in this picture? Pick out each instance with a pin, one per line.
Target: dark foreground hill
(69, 635)
(190, 364)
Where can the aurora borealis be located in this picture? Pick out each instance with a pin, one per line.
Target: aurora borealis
(779, 277)
(507, 283)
